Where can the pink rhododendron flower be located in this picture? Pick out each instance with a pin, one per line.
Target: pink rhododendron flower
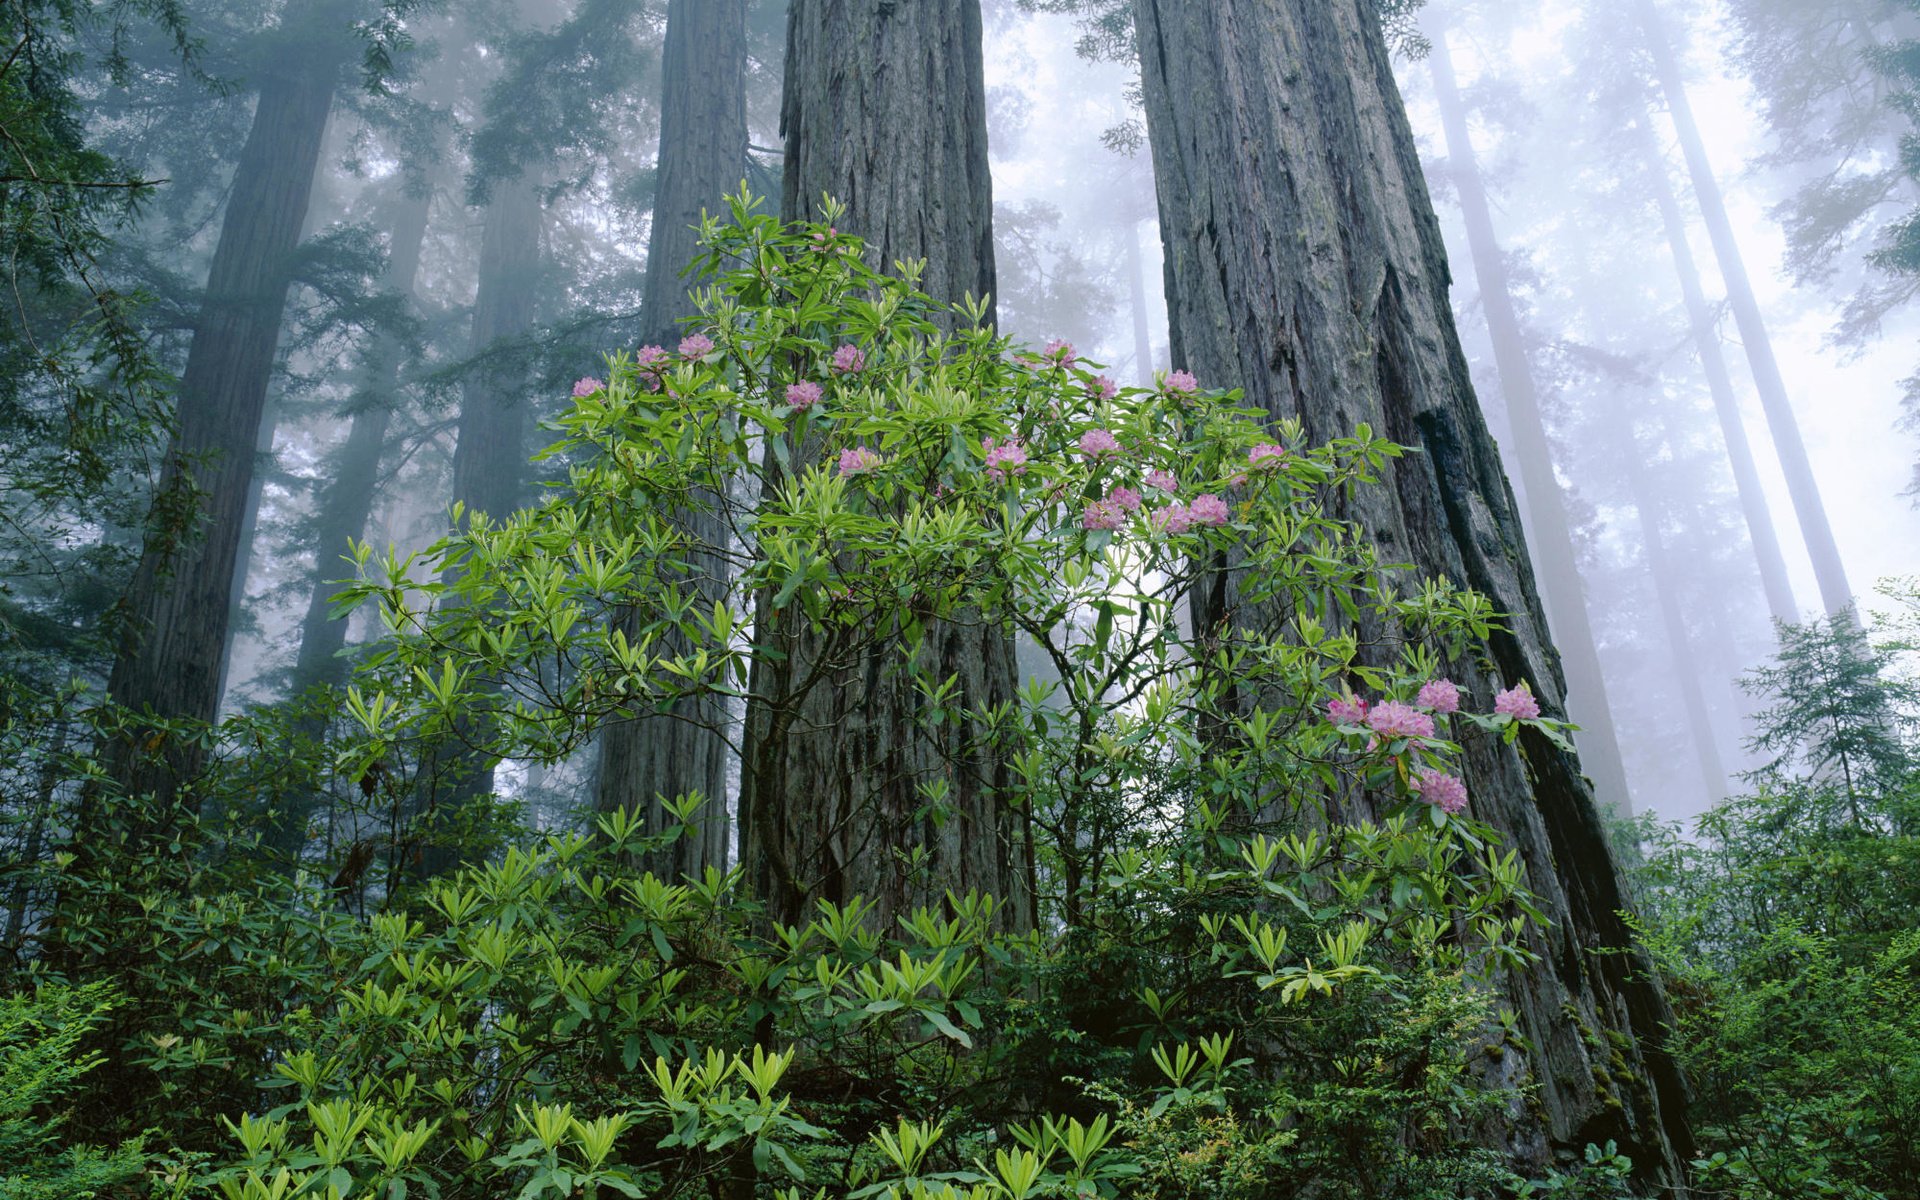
(1005, 458)
(696, 345)
(1209, 510)
(1517, 702)
(1102, 388)
(1103, 514)
(587, 386)
(1393, 719)
(1442, 790)
(652, 364)
(1163, 480)
(1347, 710)
(1175, 518)
(1440, 695)
(849, 359)
(1096, 443)
(1061, 352)
(1181, 383)
(857, 459)
(803, 394)
(1266, 455)
(1125, 498)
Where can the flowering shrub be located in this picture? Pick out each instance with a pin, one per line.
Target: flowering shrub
(1263, 907)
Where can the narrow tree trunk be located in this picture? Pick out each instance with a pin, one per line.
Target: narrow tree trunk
(1137, 295)
(170, 658)
(489, 458)
(1546, 510)
(345, 508)
(490, 451)
(1304, 264)
(1733, 431)
(885, 109)
(1828, 570)
(703, 156)
(1666, 586)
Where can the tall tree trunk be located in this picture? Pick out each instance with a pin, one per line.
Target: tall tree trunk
(1137, 296)
(347, 505)
(490, 452)
(1305, 265)
(1666, 586)
(1733, 431)
(178, 606)
(703, 155)
(885, 109)
(1551, 532)
(1828, 570)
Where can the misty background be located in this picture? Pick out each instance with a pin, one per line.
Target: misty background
(548, 114)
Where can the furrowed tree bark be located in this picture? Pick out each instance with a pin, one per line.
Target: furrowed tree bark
(1815, 530)
(884, 109)
(1726, 406)
(1305, 265)
(703, 156)
(170, 658)
(1551, 532)
(347, 505)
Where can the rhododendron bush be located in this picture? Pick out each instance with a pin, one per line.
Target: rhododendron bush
(1265, 912)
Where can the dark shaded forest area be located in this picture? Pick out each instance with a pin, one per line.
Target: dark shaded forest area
(959, 599)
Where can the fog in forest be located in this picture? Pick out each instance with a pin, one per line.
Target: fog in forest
(1556, 99)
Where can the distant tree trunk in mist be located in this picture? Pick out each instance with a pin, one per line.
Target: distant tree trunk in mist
(1726, 406)
(490, 451)
(1666, 575)
(1546, 509)
(1828, 570)
(703, 155)
(347, 504)
(1137, 296)
(1305, 265)
(885, 109)
(179, 602)
(489, 454)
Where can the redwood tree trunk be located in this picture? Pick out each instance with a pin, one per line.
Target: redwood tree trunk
(1828, 570)
(1713, 361)
(885, 109)
(1305, 265)
(179, 603)
(703, 156)
(1551, 532)
(347, 504)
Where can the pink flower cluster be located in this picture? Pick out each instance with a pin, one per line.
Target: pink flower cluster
(1393, 719)
(858, 459)
(652, 364)
(1103, 514)
(587, 387)
(1517, 702)
(1444, 791)
(803, 395)
(1440, 695)
(1266, 455)
(1060, 352)
(1179, 518)
(1126, 498)
(1347, 710)
(849, 360)
(696, 345)
(1181, 383)
(1097, 443)
(1163, 480)
(1005, 458)
(1101, 389)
